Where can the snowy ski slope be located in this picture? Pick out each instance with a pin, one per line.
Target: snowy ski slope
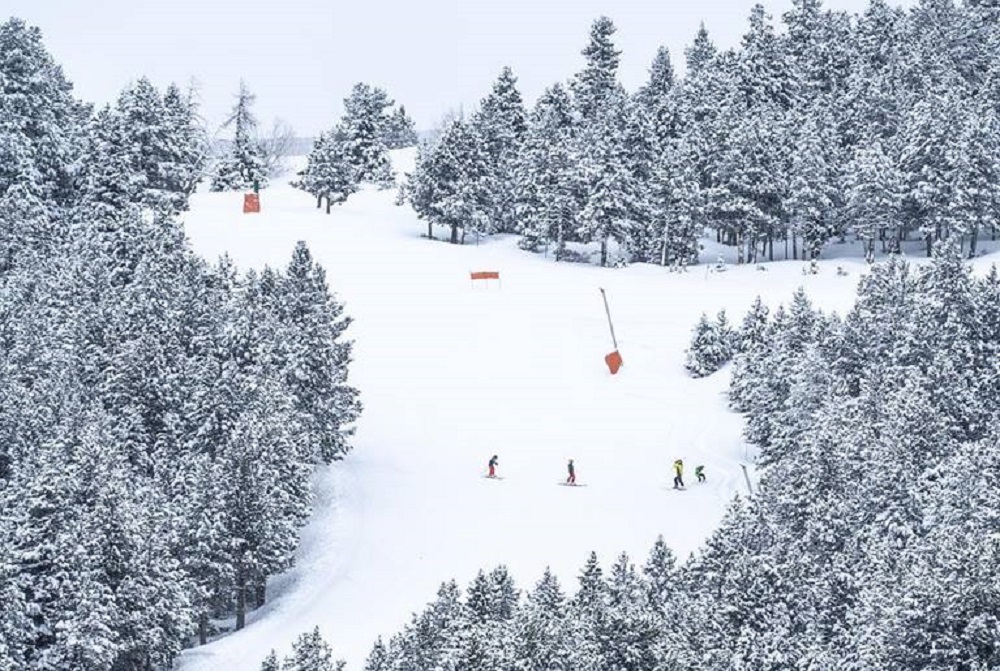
(451, 373)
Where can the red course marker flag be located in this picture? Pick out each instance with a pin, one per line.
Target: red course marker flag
(614, 361)
(251, 203)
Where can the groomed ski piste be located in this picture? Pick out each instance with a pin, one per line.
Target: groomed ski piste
(453, 371)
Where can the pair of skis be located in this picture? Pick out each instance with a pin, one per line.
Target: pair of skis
(564, 484)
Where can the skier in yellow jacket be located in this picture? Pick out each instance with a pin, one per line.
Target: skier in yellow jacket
(679, 474)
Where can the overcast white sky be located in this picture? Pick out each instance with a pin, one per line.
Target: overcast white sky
(301, 56)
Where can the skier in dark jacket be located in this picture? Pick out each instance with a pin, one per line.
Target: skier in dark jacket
(678, 474)
(571, 480)
(699, 472)
(493, 466)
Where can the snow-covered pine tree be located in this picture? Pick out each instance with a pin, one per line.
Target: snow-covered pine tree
(271, 662)
(328, 173)
(977, 173)
(501, 125)
(491, 603)
(140, 119)
(701, 52)
(809, 204)
(540, 633)
(41, 124)
(206, 561)
(629, 634)
(586, 611)
(548, 193)
(744, 202)
(362, 134)
(242, 167)
(316, 357)
(657, 97)
(596, 87)
(438, 632)
(14, 622)
(378, 658)
(27, 232)
(674, 203)
(659, 573)
(873, 199)
(765, 72)
(421, 186)
(450, 188)
(400, 130)
(930, 147)
(310, 652)
(612, 194)
(640, 148)
(711, 346)
(753, 330)
(873, 100)
(592, 592)
(187, 149)
(704, 95)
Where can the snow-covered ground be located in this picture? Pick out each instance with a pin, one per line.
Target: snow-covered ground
(451, 373)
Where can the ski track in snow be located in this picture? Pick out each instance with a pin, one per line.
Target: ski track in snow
(451, 373)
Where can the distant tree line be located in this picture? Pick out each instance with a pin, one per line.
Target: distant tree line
(882, 127)
(160, 416)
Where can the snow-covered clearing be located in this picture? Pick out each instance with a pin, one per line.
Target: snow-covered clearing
(451, 373)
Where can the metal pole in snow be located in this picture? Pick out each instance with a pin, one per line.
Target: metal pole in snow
(746, 476)
(610, 324)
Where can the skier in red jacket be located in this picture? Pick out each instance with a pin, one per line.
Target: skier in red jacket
(571, 480)
(493, 465)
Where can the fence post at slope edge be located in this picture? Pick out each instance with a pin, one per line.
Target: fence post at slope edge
(613, 360)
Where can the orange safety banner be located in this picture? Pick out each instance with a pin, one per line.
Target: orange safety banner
(486, 275)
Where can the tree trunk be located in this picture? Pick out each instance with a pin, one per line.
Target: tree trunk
(328, 204)
(241, 599)
(202, 628)
(454, 234)
(770, 247)
(319, 201)
(973, 240)
(929, 243)
(786, 245)
(795, 248)
(462, 241)
(604, 251)
(430, 230)
(260, 593)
